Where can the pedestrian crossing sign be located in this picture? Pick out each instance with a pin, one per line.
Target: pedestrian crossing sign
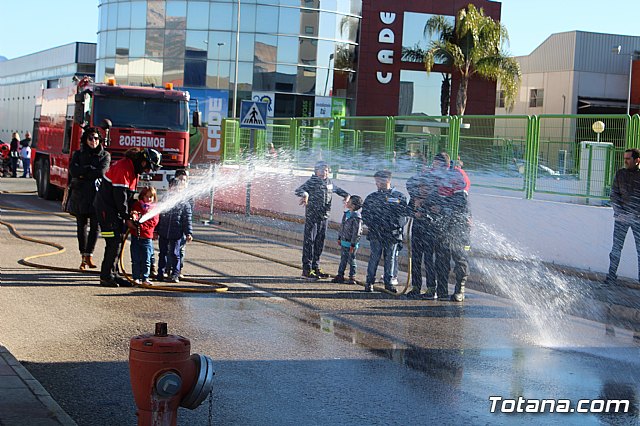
(253, 115)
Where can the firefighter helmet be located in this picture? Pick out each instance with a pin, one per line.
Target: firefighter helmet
(153, 158)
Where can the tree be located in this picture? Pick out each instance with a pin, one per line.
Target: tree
(475, 48)
(440, 25)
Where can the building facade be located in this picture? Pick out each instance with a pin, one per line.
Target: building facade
(578, 72)
(22, 80)
(344, 54)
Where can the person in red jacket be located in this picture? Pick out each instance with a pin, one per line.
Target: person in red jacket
(112, 207)
(142, 235)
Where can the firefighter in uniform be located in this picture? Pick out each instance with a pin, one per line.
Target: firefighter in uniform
(454, 190)
(112, 207)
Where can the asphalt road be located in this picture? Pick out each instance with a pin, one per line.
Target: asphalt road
(291, 352)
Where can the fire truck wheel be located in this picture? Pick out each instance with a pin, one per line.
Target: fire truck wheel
(48, 191)
(38, 175)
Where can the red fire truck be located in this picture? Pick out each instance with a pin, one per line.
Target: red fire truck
(131, 116)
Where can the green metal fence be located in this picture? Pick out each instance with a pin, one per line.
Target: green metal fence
(546, 154)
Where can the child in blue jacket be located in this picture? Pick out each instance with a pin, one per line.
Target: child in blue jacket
(349, 240)
(174, 225)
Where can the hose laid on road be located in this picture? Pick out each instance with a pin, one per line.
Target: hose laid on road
(218, 287)
(27, 261)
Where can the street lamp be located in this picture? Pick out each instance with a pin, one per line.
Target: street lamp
(326, 81)
(220, 44)
(617, 50)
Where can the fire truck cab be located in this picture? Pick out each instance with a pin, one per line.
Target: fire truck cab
(130, 116)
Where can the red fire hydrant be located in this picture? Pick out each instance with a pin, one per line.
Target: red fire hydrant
(164, 376)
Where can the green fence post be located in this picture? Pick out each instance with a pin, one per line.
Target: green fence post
(390, 137)
(530, 157)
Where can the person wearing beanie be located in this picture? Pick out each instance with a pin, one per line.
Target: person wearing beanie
(315, 194)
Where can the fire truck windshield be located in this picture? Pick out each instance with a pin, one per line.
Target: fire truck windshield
(141, 113)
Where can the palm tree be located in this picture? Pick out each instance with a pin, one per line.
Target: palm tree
(442, 26)
(475, 47)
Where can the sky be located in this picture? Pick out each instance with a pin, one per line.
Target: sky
(34, 25)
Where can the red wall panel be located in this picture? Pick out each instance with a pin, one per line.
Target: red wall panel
(378, 98)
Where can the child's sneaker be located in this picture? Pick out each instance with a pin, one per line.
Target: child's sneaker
(174, 279)
(310, 275)
(321, 274)
(338, 279)
(352, 280)
(368, 288)
(147, 282)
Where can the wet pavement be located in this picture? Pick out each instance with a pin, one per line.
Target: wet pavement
(287, 351)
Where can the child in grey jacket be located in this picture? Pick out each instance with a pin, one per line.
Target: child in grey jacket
(349, 240)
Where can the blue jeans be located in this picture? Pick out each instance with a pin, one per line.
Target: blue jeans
(141, 251)
(350, 258)
(620, 230)
(169, 259)
(26, 167)
(379, 249)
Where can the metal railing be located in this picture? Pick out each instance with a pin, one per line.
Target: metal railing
(546, 154)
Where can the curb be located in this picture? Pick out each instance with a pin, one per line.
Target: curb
(36, 388)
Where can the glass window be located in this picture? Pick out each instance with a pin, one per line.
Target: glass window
(155, 43)
(309, 20)
(198, 15)
(138, 14)
(121, 71)
(111, 43)
(419, 93)
(348, 28)
(176, 15)
(218, 74)
(150, 114)
(327, 25)
(288, 49)
(217, 50)
(103, 12)
(174, 44)
(136, 44)
(247, 17)
(308, 51)
(112, 11)
(413, 36)
(246, 47)
(153, 71)
(197, 40)
(122, 40)
(220, 17)
(195, 71)
(536, 98)
(266, 48)
(289, 21)
(136, 66)
(499, 98)
(109, 67)
(286, 78)
(245, 76)
(102, 44)
(173, 71)
(267, 21)
(176, 9)
(155, 14)
(326, 50)
(306, 81)
(345, 57)
(124, 15)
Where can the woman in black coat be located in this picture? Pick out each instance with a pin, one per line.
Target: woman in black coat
(14, 153)
(87, 168)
